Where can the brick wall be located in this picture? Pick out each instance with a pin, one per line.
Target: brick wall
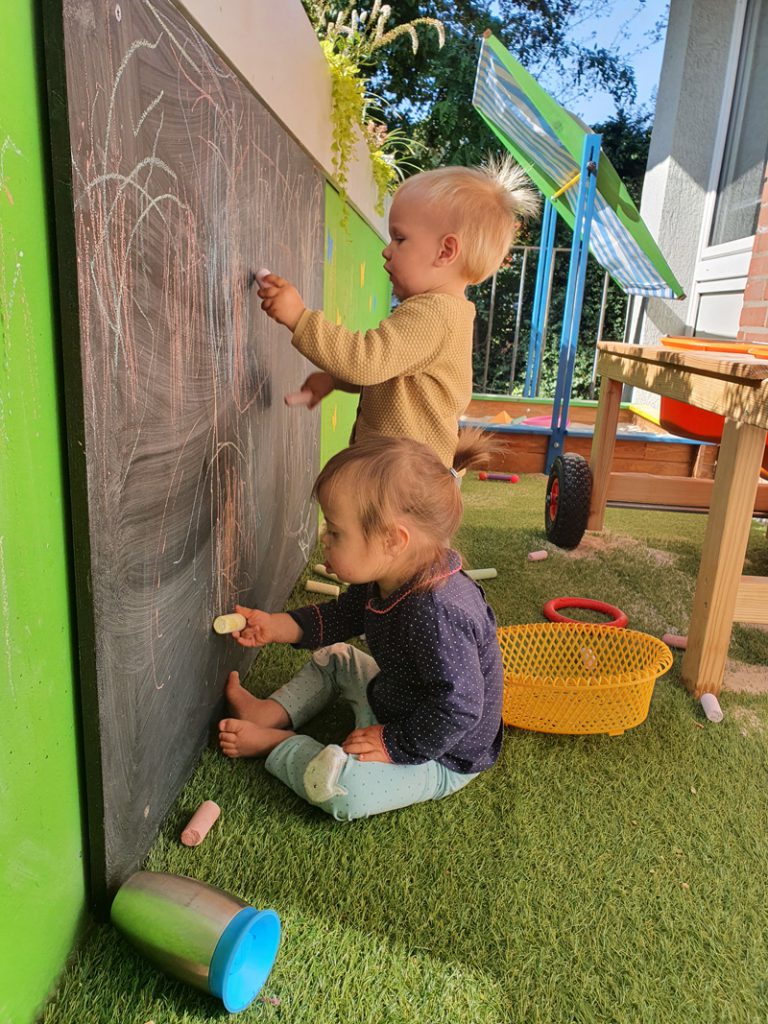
(753, 323)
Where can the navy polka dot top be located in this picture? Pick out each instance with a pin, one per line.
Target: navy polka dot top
(438, 691)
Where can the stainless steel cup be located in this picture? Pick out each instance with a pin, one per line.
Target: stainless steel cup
(199, 934)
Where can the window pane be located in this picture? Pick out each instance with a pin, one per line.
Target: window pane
(746, 146)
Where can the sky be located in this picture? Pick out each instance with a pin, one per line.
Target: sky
(625, 25)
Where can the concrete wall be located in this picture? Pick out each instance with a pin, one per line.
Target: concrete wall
(688, 109)
(274, 48)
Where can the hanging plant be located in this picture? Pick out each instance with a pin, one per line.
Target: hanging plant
(351, 41)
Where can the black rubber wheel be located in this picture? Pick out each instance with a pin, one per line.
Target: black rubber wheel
(566, 509)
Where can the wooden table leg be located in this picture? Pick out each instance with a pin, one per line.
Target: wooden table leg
(722, 557)
(603, 444)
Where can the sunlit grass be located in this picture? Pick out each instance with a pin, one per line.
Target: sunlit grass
(584, 880)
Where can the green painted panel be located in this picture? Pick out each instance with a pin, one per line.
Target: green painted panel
(357, 294)
(42, 889)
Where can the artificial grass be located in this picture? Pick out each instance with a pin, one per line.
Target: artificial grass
(584, 880)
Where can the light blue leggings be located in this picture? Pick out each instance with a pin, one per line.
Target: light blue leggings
(357, 789)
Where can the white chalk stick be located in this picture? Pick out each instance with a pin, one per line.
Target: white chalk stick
(298, 398)
(320, 570)
(673, 640)
(199, 825)
(261, 275)
(322, 588)
(711, 707)
(481, 574)
(537, 556)
(229, 623)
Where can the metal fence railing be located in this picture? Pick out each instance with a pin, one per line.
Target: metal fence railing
(516, 292)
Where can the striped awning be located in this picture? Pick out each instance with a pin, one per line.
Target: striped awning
(547, 142)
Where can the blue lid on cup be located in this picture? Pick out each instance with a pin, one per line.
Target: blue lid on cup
(243, 957)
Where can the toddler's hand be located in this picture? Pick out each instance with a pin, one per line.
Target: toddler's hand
(281, 301)
(313, 390)
(258, 629)
(367, 744)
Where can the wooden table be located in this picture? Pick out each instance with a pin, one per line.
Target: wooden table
(736, 386)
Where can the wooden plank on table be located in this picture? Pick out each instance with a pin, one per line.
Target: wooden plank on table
(677, 491)
(752, 600)
(719, 364)
(746, 401)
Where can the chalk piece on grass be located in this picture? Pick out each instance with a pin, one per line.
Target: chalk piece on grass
(481, 574)
(298, 398)
(229, 623)
(200, 823)
(322, 588)
(537, 556)
(711, 707)
(673, 640)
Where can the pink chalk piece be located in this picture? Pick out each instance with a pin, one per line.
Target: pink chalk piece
(261, 276)
(200, 823)
(673, 640)
(298, 398)
(537, 556)
(509, 478)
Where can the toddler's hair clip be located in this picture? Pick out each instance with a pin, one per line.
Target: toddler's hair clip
(456, 476)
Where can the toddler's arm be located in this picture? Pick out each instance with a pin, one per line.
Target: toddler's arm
(316, 387)
(404, 343)
(263, 628)
(333, 621)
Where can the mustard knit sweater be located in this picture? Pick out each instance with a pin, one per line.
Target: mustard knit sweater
(414, 370)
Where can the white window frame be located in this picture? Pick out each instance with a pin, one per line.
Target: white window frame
(721, 267)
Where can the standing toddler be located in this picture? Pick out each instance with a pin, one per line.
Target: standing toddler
(449, 228)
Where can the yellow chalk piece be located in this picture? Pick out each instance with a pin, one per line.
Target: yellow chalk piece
(362, 274)
(370, 303)
(322, 588)
(338, 318)
(334, 418)
(481, 574)
(229, 623)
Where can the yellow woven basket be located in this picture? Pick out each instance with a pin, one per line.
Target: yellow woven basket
(579, 678)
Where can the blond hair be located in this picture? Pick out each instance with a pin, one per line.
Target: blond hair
(388, 480)
(483, 206)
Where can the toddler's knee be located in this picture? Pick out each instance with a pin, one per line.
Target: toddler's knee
(323, 656)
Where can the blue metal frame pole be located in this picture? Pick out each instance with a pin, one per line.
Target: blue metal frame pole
(585, 204)
(549, 223)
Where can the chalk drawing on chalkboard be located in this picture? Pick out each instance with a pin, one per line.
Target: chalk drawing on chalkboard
(198, 482)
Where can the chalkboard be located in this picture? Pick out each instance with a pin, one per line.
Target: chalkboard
(190, 477)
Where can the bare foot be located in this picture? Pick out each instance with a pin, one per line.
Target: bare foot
(266, 713)
(238, 738)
